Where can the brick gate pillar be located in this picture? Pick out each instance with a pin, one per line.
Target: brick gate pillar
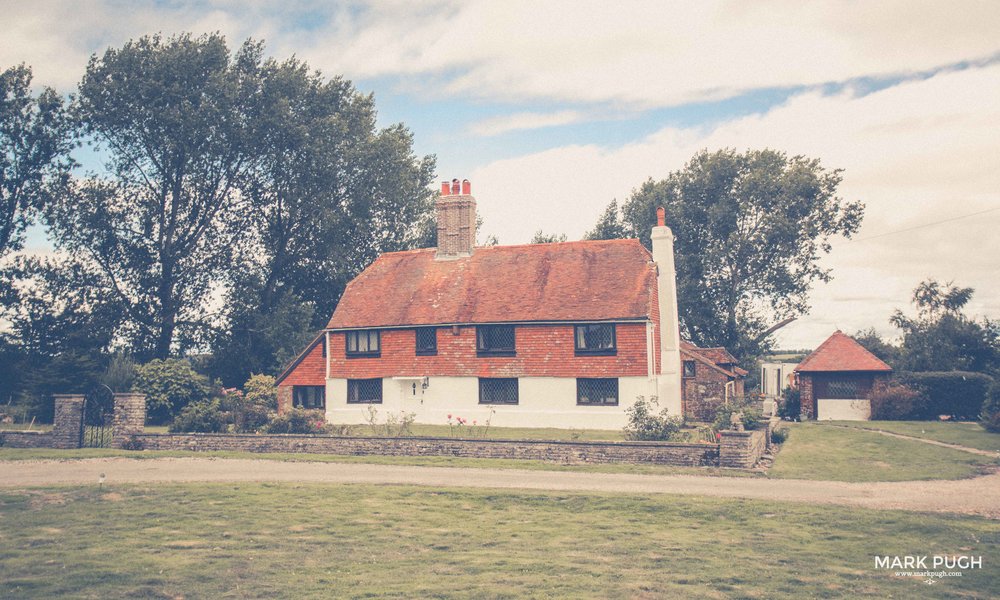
(130, 417)
(68, 423)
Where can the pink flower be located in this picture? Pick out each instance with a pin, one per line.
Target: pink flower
(449, 416)
(718, 436)
(473, 421)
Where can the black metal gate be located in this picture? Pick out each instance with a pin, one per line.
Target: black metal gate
(98, 418)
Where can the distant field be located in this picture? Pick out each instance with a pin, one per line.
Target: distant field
(26, 426)
(820, 451)
(317, 541)
(967, 434)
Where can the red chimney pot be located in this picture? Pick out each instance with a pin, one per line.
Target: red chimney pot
(466, 187)
(661, 217)
(445, 188)
(455, 187)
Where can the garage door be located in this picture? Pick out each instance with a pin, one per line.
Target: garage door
(837, 409)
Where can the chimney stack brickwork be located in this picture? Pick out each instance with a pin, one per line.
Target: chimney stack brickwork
(456, 220)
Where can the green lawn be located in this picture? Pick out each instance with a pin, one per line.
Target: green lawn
(317, 541)
(428, 461)
(967, 434)
(819, 451)
(26, 426)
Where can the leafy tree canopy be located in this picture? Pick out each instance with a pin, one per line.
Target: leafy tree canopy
(547, 238)
(750, 228)
(941, 337)
(35, 142)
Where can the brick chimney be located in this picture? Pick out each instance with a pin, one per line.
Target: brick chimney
(456, 220)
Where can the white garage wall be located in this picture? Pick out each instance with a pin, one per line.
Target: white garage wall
(543, 402)
(843, 410)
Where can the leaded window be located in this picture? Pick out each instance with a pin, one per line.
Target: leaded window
(595, 338)
(495, 340)
(309, 396)
(597, 392)
(427, 344)
(498, 390)
(364, 342)
(689, 368)
(364, 391)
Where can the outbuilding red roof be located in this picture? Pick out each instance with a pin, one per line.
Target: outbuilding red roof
(569, 281)
(840, 352)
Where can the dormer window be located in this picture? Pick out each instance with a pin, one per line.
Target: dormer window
(363, 343)
(595, 338)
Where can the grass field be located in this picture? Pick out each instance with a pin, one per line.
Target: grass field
(819, 451)
(263, 541)
(967, 434)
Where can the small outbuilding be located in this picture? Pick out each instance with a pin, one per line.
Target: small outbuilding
(837, 379)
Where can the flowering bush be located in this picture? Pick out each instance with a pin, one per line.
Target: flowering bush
(297, 420)
(645, 424)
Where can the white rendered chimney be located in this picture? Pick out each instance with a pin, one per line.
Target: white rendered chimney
(669, 381)
(456, 220)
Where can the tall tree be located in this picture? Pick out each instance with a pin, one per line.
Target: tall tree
(750, 228)
(175, 119)
(331, 191)
(34, 152)
(610, 226)
(541, 237)
(942, 337)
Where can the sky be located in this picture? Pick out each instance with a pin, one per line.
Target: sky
(552, 109)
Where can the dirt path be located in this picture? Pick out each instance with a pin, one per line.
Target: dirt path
(990, 453)
(978, 496)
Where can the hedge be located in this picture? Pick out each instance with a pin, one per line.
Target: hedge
(957, 394)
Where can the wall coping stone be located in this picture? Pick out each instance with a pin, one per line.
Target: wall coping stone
(596, 443)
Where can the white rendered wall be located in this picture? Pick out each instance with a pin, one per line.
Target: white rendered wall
(670, 341)
(543, 402)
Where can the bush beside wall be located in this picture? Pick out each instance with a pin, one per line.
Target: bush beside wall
(957, 394)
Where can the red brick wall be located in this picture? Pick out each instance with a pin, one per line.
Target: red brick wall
(312, 370)
(703, 393)
(542, 351)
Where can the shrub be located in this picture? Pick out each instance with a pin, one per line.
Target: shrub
(991, 410)
(394, 426)
(896, 402)
(778, 436)
(297, 420)
(203, 416)
(791, 404)
(750, 415)
(133, 443)
(252, 407)
(170, 385)
(645, 424)
(957, 394)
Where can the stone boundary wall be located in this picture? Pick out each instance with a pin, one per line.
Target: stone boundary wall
(742, 449)
(736, 449)
(25, 439)
(554, 451)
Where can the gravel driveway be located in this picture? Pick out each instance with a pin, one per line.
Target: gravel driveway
(977, 496)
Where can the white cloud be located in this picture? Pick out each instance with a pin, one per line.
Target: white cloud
(524, 120)
(637, 53)
(917, 153)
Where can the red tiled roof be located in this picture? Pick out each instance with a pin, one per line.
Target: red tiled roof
(841, 353)
(570, 281)
(709, 358)
(720, 355)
